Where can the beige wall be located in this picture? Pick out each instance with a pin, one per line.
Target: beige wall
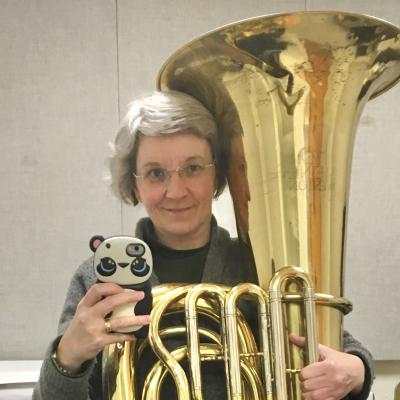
(67, 71)
(387, 378)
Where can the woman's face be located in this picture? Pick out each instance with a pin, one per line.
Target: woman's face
(180, 206)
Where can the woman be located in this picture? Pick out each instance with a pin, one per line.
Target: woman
(166, 157)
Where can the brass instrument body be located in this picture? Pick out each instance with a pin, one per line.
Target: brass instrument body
(236, 337)
(235, 345)
(287, 91)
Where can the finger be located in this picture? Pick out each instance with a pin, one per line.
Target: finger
(108, 304)
(315, 383)
(321, 394)
(98, 291)
(311, 396)
(129, 322)
(299, 341)
(323, 352)
(312, 371)
(112, 338)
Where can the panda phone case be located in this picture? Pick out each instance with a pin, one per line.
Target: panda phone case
(126, 261)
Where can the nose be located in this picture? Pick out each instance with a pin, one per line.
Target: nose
(123, 265)
(175, 186)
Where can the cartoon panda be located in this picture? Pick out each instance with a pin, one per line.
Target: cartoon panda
(126, 261)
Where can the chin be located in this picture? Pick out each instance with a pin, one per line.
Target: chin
(177, 229)
(184, 227)
(183, 230)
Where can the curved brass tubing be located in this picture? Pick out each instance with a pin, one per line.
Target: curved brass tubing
(287, 92)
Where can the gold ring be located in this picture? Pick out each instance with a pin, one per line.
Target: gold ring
(107, 326)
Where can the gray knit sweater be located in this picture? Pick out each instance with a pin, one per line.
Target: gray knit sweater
(224, 265)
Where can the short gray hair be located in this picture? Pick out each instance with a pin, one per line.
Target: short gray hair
(161, 113)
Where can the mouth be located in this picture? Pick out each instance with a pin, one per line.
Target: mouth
(178, 210)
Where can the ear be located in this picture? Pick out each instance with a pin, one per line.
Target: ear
(95, 242)
(217, 183)
(136, 193)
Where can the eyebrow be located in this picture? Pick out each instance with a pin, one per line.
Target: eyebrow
(157, 164)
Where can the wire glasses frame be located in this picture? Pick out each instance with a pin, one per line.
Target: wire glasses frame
(187, 172)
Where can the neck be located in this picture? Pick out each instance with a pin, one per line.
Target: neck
(184, 242)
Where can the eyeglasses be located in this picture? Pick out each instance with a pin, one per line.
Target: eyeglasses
(188, 172)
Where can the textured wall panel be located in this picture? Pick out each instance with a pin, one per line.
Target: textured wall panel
(58, 108)
(67, 71)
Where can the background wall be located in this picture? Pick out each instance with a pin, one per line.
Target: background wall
(67, 72)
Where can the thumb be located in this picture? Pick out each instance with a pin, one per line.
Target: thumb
(297, 340)
(300, 341)
(324, 352)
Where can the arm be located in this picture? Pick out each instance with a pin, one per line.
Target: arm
(337, 374)
(52, 384)
(353, 346)
(82, 337)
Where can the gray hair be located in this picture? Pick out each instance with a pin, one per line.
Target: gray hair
(159, 114)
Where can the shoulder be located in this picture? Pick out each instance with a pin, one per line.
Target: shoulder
(238, 266)
(221, 243)
(84, 277)
(142, 226)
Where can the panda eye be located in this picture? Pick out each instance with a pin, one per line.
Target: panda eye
(139, 267)
(135, 249)
(106, 267)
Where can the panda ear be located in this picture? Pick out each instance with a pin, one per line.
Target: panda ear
(95, 242)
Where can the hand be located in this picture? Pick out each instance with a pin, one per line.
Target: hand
(335, 375)
(85, 336)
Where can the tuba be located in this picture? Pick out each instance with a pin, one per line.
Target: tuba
(287, 92)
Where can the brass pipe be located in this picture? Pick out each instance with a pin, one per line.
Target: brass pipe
(278, 332)
(233, 347)
(287, 92)
(193, 334)
(176, 371)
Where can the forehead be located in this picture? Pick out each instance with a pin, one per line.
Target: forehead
(171, 149)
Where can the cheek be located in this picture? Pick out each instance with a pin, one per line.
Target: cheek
(147, 198)
(206, 193)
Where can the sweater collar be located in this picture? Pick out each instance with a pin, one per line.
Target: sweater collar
(213, 268)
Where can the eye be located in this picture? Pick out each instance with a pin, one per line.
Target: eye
(192, 169)
(156, 174)
(106, 267)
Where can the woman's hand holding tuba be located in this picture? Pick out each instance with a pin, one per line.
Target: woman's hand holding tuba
(334, 376)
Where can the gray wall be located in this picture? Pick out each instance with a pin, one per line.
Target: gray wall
(67, 71)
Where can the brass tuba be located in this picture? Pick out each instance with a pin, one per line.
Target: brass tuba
(287, 91)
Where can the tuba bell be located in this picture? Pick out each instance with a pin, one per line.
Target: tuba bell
(287, 92)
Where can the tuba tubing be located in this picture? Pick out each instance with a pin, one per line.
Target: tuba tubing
(287, 92)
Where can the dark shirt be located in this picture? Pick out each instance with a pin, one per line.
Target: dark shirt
(226, 263)
(184, 266)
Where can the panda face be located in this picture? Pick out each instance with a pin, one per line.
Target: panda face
(123, 260)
